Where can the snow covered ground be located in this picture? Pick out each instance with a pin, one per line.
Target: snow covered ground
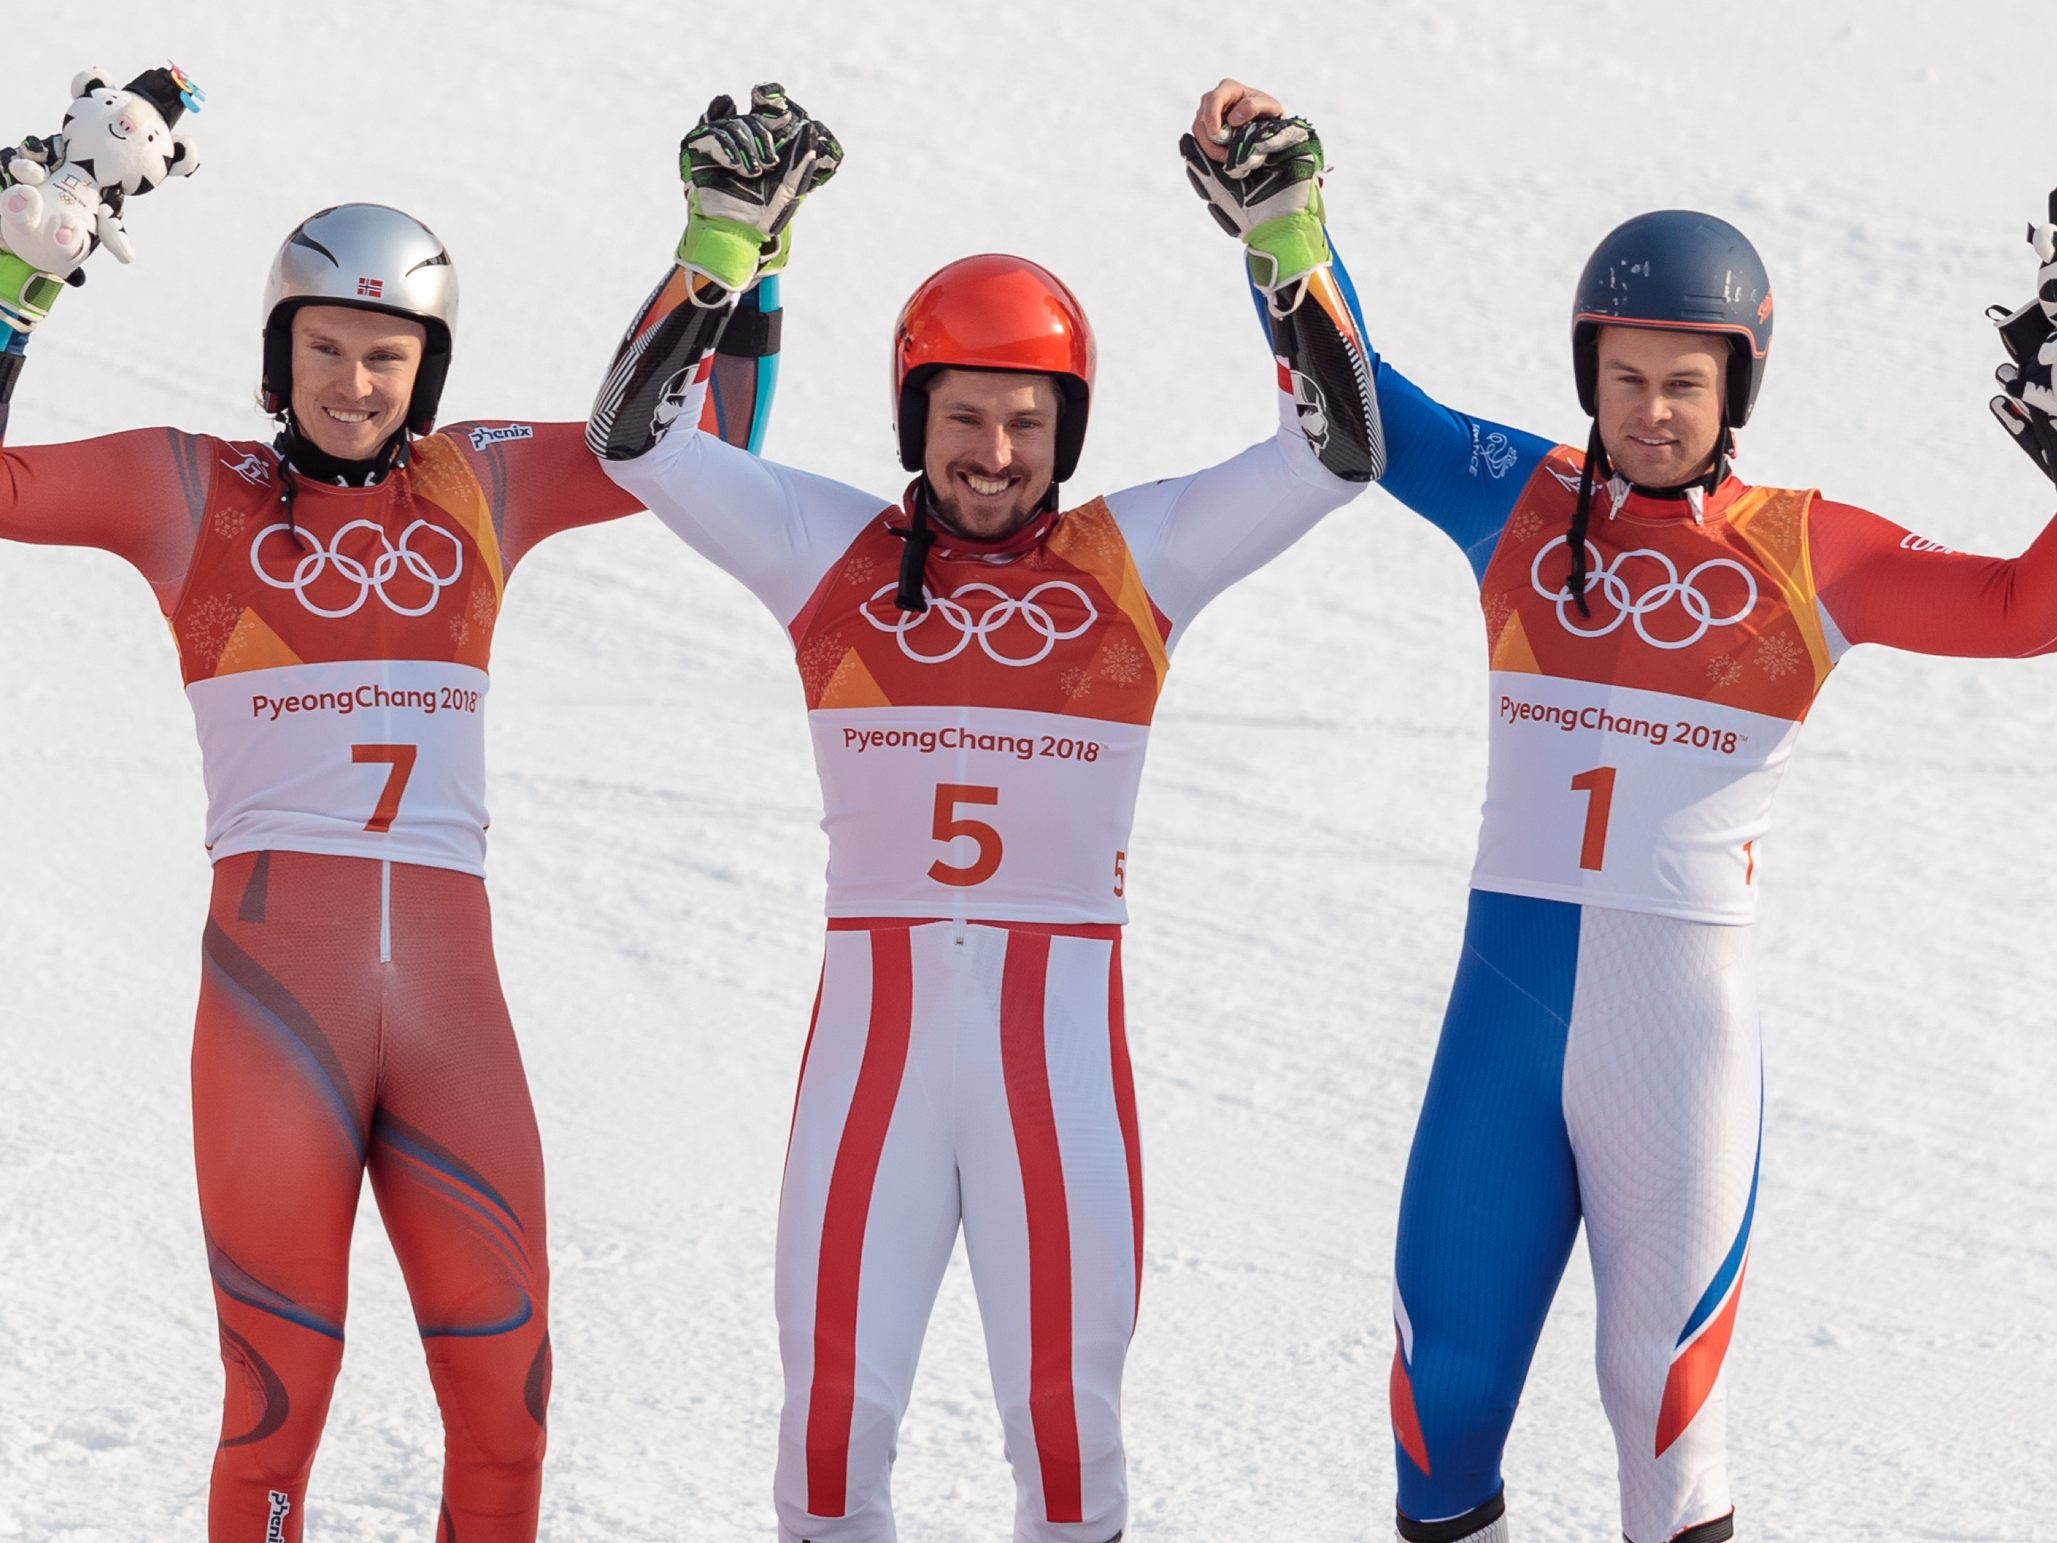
(1307, 821)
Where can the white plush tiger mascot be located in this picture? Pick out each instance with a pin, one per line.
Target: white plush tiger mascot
(63, 196)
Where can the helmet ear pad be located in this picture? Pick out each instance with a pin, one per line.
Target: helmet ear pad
(276, 388)
(1074, 399)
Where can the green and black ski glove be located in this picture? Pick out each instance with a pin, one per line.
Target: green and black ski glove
(746, 175)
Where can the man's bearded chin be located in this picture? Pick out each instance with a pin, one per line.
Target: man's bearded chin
(947, 501)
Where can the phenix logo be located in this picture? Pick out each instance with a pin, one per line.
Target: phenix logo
(480, 438)
(275, 1526)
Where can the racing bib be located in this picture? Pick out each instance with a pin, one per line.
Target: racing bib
(1014, 816)
(336, 660)
(980, 758)
(369, 758)
(1637, 740)
(1606, 795)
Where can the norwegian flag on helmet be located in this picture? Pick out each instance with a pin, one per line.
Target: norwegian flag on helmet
(371, 289)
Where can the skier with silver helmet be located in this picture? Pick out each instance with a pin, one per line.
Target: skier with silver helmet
(981, 659)
(333, 598)
(363, 257)
(1657, 631)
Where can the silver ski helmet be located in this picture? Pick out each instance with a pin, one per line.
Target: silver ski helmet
(371, 258)
(1678, 269)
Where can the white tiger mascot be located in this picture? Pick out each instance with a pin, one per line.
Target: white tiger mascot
(63, 196)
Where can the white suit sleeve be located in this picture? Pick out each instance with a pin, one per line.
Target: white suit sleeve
(775, 529)
(1193, 536)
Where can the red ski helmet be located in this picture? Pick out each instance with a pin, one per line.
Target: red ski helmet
(993, 312)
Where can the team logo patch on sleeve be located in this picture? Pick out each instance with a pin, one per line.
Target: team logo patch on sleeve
(482, 437)
(251, 469)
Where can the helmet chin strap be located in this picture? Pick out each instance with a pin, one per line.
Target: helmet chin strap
(919, 535)
(924, 515)
(301, 457)
(1694, 491)
(1620, 489)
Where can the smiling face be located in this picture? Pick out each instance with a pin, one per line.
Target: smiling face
(353, 376)
(1658, 402)
(991, 448)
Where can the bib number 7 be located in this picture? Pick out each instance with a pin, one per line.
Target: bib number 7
(949, 825)
(401, 759)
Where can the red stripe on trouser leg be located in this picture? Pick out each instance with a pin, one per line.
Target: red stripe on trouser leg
(1125, 1106)
(1052, 1407)
(844, 1215)
(1694, 1372)
(793, 1119)
(1406, 1423)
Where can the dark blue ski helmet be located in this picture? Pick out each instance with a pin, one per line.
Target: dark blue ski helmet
(1681, 269)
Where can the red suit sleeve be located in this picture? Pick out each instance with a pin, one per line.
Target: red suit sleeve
(1881, 584)
(539, 479)
(140, 495)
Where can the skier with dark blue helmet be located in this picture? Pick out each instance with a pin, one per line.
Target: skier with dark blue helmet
(1657, 632)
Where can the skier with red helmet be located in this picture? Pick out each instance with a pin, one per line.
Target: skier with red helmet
(1658, 631)
(981, 659)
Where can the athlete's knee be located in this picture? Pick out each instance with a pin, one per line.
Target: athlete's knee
(1463, 1398)
(494, 1393)
(275, 1399)
(1099, 1426)
(1631, 1373)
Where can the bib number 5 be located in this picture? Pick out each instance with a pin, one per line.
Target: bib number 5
(949, 825)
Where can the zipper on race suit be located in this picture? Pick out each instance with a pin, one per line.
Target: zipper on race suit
(385, 912)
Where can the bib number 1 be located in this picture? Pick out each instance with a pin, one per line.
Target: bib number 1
(1598, 786)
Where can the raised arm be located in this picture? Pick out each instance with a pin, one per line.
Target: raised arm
(1878, 583)
(774, 529)
(1460, 473)
(1193, 536)
(541, 479)
(139, 495)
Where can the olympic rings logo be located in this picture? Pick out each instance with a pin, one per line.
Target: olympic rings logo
(312, 564)
(1606, 579)
(994, 618)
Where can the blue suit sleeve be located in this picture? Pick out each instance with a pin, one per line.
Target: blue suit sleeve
(1462, 474)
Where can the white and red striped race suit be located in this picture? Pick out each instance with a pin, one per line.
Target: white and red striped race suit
(979, 764)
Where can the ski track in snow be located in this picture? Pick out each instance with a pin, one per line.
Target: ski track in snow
(1306, 826)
